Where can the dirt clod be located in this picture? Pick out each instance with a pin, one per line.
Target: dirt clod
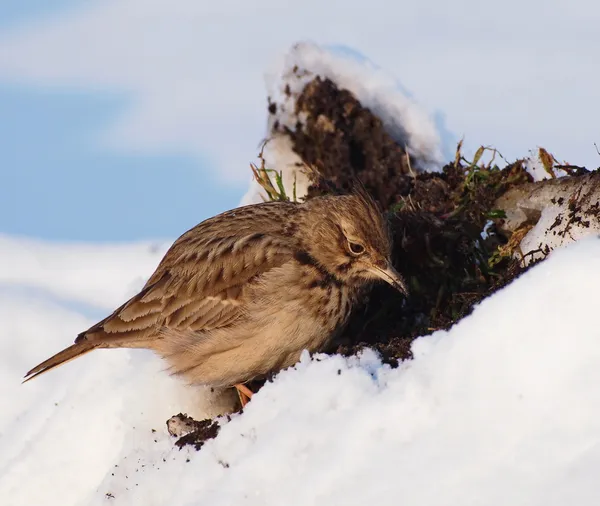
(193, 432)
(436, 220)
(341, 138)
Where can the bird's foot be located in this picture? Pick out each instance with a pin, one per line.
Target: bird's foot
(244, 394)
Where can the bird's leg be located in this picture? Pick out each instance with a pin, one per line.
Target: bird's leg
(244, 393)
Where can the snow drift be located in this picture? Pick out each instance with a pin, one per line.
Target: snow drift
(503, 408)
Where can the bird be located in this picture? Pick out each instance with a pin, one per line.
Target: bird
(242, 294)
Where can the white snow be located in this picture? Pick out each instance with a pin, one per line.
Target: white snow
(504, 408)
(78, 271)
(553, 214)
(535, 167)
(558, 227)
(59, 437)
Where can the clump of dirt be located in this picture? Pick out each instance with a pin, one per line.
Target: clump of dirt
(436, 220)
(342, 139)
(192, 432)
(439, 248)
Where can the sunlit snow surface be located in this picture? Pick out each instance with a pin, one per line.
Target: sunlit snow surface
(502, 409)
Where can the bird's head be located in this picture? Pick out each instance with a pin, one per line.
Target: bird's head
(349, 237)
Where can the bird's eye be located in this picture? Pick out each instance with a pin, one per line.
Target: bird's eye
(356, 248)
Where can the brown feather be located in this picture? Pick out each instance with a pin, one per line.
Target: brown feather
(244, 292)
(73, 351)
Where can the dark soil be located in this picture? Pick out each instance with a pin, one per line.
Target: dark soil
(201, 431)
(445, 260)
(344, 140)
(436, 220)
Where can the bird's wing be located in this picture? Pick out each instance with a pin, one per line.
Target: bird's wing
(199, 285)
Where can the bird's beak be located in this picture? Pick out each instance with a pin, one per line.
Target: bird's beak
(391, 276)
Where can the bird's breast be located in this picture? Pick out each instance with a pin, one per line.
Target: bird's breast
(300, 297)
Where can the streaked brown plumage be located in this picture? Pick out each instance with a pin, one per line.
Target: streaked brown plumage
(243, 293)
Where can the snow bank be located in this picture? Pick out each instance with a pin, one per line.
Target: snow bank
(404, 119)
(553, 213)
(102, 275)
(502, 409)
(61, 434)
(557, 227)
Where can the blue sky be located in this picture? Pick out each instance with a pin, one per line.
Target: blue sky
(13, 12)
(129, 119)
(58, 182)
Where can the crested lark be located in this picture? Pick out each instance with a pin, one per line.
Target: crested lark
(243, 293)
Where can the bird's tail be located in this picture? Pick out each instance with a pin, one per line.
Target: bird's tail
(73, 351)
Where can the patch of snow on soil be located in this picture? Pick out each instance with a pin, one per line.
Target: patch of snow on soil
(404, 119)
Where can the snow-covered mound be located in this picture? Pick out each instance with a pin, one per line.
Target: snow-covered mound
(61, 435)
(502, 409)
(100, 275)
(403, 118)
